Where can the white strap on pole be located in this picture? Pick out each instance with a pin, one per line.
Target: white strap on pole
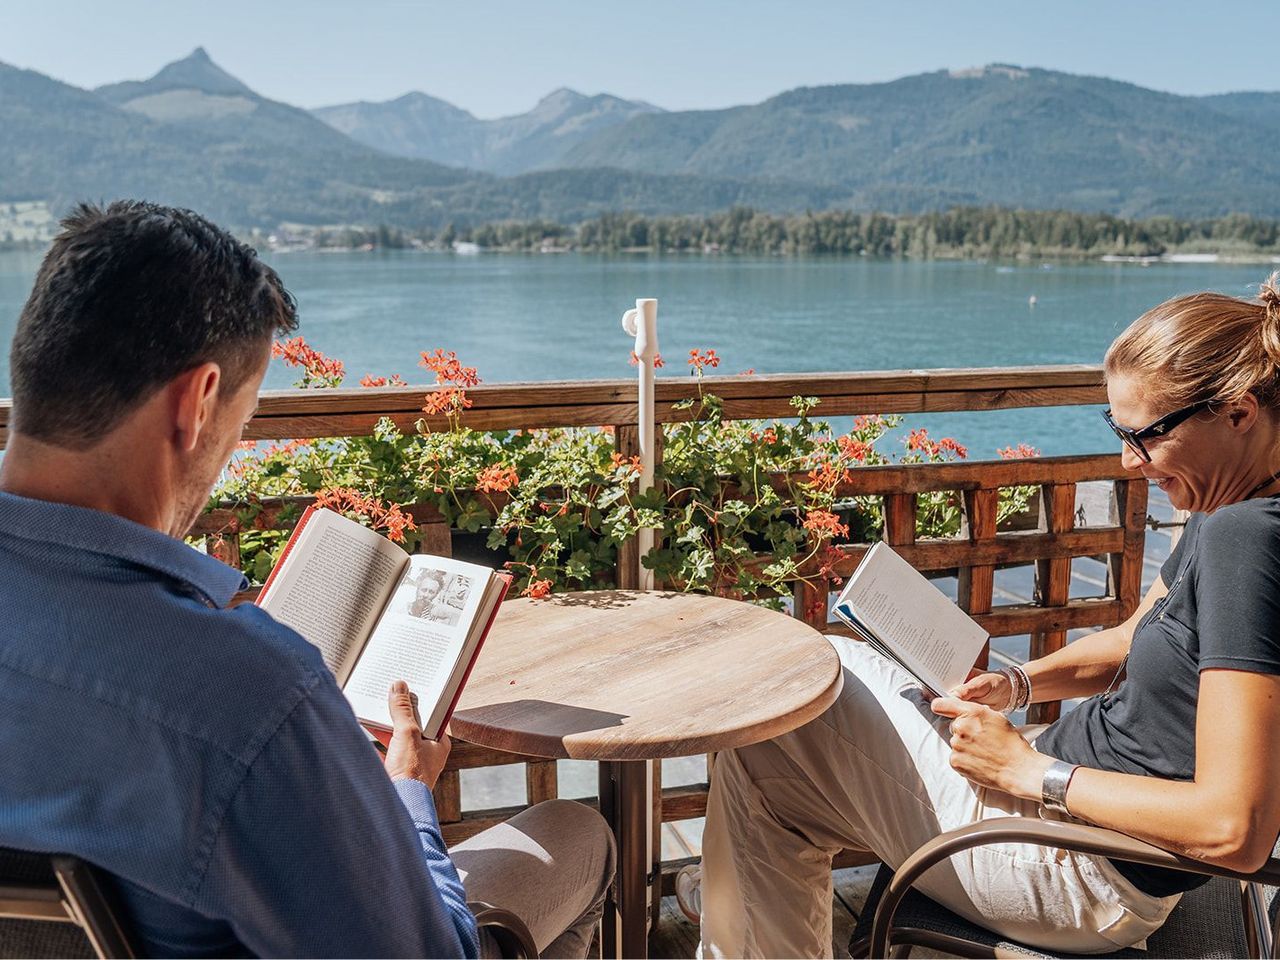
(642, 324)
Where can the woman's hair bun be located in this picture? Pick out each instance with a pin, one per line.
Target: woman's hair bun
(1269, 294)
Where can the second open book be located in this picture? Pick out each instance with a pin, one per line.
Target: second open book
(893, 607)
(378, 614)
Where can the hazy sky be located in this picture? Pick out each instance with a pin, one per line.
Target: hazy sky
(498, 57)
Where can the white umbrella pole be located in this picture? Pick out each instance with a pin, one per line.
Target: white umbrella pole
(642, 324)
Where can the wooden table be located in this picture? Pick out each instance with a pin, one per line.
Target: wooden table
(628, 677)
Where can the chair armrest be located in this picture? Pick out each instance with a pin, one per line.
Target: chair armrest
(505, 927)
(1077, 837)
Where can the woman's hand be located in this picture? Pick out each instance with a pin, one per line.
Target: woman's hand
(986, 749)
(983, 686)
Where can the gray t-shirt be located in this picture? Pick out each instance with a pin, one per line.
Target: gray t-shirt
(1222, 610)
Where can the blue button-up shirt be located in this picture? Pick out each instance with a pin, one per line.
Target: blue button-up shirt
(202, 756)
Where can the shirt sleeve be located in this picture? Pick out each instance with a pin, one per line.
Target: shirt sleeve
(1237, 590)
(318, 855)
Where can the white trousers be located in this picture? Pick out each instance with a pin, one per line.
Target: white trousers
(873, 773)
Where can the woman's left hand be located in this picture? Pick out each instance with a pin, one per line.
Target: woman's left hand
(987, 750)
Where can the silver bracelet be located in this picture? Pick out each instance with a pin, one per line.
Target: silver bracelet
(1025, 698)
(1053, 790)
(1019, 689)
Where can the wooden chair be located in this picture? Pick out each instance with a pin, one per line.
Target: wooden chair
(55, 906)
(1226, 917)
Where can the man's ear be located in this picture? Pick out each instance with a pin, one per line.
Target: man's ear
(193, 396)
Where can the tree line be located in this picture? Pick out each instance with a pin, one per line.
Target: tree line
(961, 232)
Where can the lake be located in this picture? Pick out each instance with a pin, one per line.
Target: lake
(552, 317)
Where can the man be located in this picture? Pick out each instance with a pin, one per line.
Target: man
(202, 756)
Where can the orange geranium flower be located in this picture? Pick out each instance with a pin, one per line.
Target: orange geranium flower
(496, 479)
(445, 365)
(315, 365)
(537, 590)
(657, 360)
(388, 518)
(698, 359)
(369, 380)
(617, 460)
(1021, 452)
(852, 448)
(446, 400)
(825, 524)
(827, 476)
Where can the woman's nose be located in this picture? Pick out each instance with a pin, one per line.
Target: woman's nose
(1129, 458)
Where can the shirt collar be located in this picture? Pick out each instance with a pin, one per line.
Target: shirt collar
(110, 535)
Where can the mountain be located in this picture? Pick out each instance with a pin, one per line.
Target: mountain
(1248, 107)
(995, 135)
(417, 125)
(198, 94)
(267, 163)
(195, 136)
(195, 72)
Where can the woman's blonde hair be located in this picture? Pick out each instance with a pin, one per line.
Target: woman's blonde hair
(1205, 346)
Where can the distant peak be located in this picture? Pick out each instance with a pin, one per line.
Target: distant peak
(561, 94)
(991, 70)
(198, 71)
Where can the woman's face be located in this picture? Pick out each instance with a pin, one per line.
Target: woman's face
(1201, 464)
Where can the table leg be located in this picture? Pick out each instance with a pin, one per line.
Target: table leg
(626, 802)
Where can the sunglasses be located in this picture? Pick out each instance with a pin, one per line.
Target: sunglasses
(1133, 438)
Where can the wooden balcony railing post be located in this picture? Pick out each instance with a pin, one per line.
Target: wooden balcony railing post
(1053, 583)
(1124, 569)
(976, 587)
(541, 781)
(900, 519)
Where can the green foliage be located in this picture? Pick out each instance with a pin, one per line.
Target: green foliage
(740, 508)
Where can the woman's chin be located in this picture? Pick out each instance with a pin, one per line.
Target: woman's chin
(1175, 491)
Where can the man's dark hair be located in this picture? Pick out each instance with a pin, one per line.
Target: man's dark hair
(128, 298)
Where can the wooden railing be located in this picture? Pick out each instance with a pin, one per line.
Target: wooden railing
(974, 556)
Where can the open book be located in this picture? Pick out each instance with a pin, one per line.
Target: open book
(901, 614)
(379, 614)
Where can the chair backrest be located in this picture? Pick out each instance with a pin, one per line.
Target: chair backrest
(55, 906)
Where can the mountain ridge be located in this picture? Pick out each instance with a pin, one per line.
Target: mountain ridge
(1001, 135)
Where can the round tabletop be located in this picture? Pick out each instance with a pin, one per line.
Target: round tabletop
(641, 675)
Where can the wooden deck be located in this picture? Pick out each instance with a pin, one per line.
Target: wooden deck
(676, 938)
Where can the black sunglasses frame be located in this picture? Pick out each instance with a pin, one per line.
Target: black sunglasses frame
(1133, 438)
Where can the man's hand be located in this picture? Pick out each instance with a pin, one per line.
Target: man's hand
(985, 687)
(988, 751)
(410, 755)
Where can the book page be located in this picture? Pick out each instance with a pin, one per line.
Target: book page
(333, 585)
(919, 627)
(420, 636)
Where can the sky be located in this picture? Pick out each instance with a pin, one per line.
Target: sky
(498, 57)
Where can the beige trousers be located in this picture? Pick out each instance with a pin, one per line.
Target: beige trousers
(873, 773)
(551, 865)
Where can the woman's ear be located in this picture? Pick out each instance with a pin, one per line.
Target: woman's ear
(1243, 413)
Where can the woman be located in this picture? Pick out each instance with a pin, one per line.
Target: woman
(1176, 746)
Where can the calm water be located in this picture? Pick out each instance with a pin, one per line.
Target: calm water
(520, 317)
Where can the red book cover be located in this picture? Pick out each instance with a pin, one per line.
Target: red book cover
(293, 538)
(507, 580)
